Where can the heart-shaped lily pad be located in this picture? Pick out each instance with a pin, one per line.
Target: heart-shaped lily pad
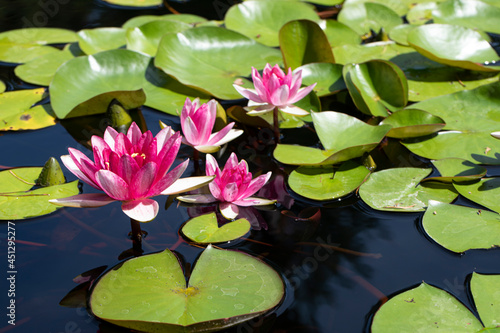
(375, 86)
(326, 183)
(400, 190)
(460, 228)
(473, 14)
(149, 293)
(303, 42)
(366, 17)
(411, 123)
(262, 20)
(455, 46)
(98, 79)
(204, 229)
(185, 56)
(457, 170)
(327, 76)
(101, 39)
(484, 192)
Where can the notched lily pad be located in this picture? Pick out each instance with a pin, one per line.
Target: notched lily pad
(150, 294)
(411, 123)
(457, 170)
(327, 76)
(204, 229)
(485, 192)
(366, 17)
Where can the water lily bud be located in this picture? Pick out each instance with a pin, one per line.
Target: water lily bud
(51, 174)
(119, 118)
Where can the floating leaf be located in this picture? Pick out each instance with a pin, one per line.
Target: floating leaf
(447, 44)
(101, 39)
(459, 228)
(143, 19)
(262, 20)
(421, 13)
(484, 192)
(400, 33)
(366, 17)
(2, 86)
(327, 76)
(99, 78)
(375, 86)
(457, 170)
(135, 3)
(473, 14)
(400, 7)
(338, 33)
(185, 56)
(326, 183)
(149, 293)
(204, 229)
(410, 123)
(485, 289)
(303, 42)
(400, 190)
(21, 53)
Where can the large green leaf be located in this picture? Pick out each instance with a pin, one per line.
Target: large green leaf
(410, 123)
(398, 6)
(101, 39)
(137, 21)
(97, 79)
(486, 292)
(338, 33)
(327, 76)
(455, 46)
(262, 20)
(326, 183)
(366, 17)
(205, 229)
(484, 192)
(303, 42)
(21, 53)
(457, 170)
(212, 59)
(149, 293)
(473, 14)
(375, 86)
(400, 190)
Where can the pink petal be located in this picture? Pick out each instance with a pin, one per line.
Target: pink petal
(143, 180)
(197, 198)
(231, 135)
(206, 121)
(255, 185)
(261, 90)
(186, 109)
(280, 95)
(216, 137)
(230, 192)
(110, 137)
(228, 210)
(211, 166)
(190, 131)
(85, 200)
(168, 154)
(187, 184)
(98, 146)
(141, 210)
(254, 201)
(127, 168)
(303, 92)
(122, 144)
(134, 133)
(295, 83)
(113, 185)
(163, 136)
(250, 94)
(86, 168)
(163, 183)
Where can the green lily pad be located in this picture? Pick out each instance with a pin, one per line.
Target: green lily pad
(41, 70)
(2, 86)
(303, 42)
(338, 33)
(459, 228)
(486, 292)
(375, 86)
(21, 53)
(446, 43)
(484, 192)
(17, 202)
(101, 39)
(400, 190)
(457, 170)
(327, 76)
(366, 17)
(425, 309)
(411, 123)
(115, 74)
(146, 38)
(326, 183)
(421, 13)
(262, 20)
(39, 36)
(473, 14)
(135, 3)
(204, 229)
(387, 50)
(185, 56)
(137, 21)
(149, 293)
(400, 33)
(399, 7)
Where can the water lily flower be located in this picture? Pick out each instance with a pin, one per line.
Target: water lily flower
(197, 122)
(275, 89)
(232, 187)
(130, 168)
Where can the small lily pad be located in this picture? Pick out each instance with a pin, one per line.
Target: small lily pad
(101, 39)
(150, 294)
(204, 229)
(327, 76)
(459, 228)
(410, 123)
(457, 170)
(366, 17)
(400, 190)
(485, 192)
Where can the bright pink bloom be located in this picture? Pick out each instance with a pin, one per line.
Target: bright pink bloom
(197, 123)
(232, 187)
(129, 168)
(275, 89)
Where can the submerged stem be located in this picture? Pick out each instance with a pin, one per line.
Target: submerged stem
(136, 235)
(276, 125)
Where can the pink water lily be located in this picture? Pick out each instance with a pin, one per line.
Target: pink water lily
(197, 122)
(275, 89)
(232, 187)
(130, 168)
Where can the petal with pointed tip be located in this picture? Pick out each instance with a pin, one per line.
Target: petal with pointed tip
(496, 135)
(134, 133)
(143, 180)
(303, 92)
(167, 180)
(141, 210)
(197, 198)
(256, 184)
(259, 109)
(231, 135)
(86, 200)
(112, 184)
(254, 201)
(190, 131)
(187, 184)
(110, 137)
(294, 110)
(250, 94)
(228, 210)
(71, 165)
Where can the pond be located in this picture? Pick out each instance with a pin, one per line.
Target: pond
(340, 259)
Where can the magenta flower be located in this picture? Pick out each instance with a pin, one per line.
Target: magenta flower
(197, 124)
(130, 168)
(275, 89)
(232, 187)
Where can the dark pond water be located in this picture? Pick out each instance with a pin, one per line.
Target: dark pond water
(327, 291)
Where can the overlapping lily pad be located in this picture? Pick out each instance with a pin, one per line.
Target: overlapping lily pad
(473, 14)
(421, 13)
(149, 293)
(429, 309)
(338, 33)
(327, 76)
(485, 192)
(2, 86)
(262, 20)
(137, 21)
(457, 170)
(101, 39)
(400, 33)
(18, 201)
(366, 17)
(460, 228)
(212, 59)
(455, 46)
(326, 182)
(400, 190)
(204, 229)
(410, 123)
